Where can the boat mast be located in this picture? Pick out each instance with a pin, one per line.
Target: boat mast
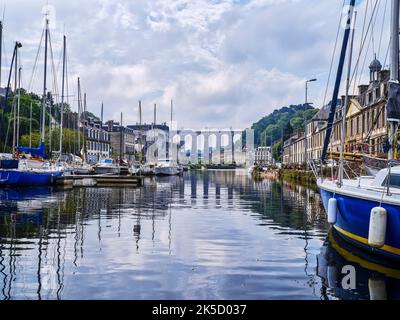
(338, 80)
(14, 144)
(44, 83)
(140, 132)
(346, 103)
(62, 94)
(121, 134)
(30, 127)
(84, 127)
(170, 136)
(18, 104)
(1, 48)
(79, 116)
(394, 72)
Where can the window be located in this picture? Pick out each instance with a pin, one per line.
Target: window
(358, 125)
(394, 181)
(378, 93)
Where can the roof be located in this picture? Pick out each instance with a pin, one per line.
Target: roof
(322, 114)
(375, 65)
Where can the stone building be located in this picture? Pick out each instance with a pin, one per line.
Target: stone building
(294, 149)
(366, 130)
(263, 156)
(122, 140)
(97, 140)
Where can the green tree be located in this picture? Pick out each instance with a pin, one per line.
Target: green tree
(70, 141)
(277, 151)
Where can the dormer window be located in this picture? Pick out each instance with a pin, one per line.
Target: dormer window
(377, 93)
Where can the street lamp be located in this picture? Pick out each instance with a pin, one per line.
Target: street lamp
(312, 80)
(305, 126)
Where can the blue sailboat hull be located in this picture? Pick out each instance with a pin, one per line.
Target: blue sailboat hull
(17, 178)
(353, 218)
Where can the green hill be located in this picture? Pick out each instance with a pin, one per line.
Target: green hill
(280, 124)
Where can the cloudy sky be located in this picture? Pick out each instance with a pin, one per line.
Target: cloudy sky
(226, 63)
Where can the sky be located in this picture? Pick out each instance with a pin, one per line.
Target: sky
(225, 63)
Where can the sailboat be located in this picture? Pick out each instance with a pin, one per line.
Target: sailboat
(366, 211)
(167, 167)
(36, 172)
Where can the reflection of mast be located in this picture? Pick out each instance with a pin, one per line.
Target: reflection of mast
(60, 283)
(3, 267)
(153, 220)
(76, 238)
(119, 212)
(12, 256)
(137, 227)
(170, 224)
(83, 224)
(99, 229)
(39, 278)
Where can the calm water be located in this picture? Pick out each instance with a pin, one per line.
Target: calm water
(216, 235)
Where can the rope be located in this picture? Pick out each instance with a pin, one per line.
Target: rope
(362, 37)
(371, 40)
(55, 84)
(373, 31)
(363, 42)
(36, 61)
(383, 24)
(333, 59)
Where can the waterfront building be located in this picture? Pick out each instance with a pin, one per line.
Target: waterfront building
(316, 133)
(123, 140)
(294, 149)
(366, 130)
(97, 140)
(263, 156)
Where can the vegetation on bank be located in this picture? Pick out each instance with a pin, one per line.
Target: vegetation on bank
(70, 137)
(279, 125)
(302, 177)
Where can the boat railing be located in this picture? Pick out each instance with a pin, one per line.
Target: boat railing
(314, 168)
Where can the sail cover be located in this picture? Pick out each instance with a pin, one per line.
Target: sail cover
(393, 103)
(39, 152)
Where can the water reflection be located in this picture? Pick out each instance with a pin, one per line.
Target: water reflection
(374, 280)
(216, 235)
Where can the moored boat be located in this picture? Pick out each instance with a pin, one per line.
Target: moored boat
(23, 178)
(355, 201)
(106, 166)
(166, 168)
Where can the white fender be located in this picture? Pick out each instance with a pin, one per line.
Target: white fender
(332, 211)
(377, 289)
(377, 227)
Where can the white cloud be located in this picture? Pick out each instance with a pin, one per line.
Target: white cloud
(225, 63)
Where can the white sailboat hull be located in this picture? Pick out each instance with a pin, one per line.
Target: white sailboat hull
(166, 171)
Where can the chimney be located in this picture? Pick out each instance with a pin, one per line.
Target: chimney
(110, 125)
